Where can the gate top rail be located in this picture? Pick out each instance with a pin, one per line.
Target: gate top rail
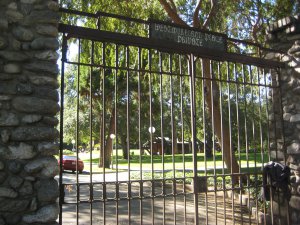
(240, 51)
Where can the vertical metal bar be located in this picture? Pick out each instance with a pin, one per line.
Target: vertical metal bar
(260, 117)
(192, 71)
(246, 130)
(261, 129)
(254, 141)
(173, 137)
(205, 81)
(237, 112)
(237, 86)
(99, 22)
(140, 141)
(222, 144)
(213, 125)
(264, 94)
(61, 125)
(267, 114)
(182, 138)
(213, 137)
(91, 136)
(151, 134)
(128, 134)
(77, 132)
(116, 133)
(230, 139)
(162, 134)
(103, 134)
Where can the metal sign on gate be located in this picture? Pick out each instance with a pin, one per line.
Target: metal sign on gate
(187, 36)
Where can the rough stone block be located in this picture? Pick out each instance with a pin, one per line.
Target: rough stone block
(14, 56)
(15, 181)
(14, 15)
(26, 189)
(46, 167)
(44, 81)
(47, 30)
(48, 148)
(47, 92)
(52, 121)
(8, 192)
(42, 17)
(45, 43)
(24, 88)
(23, 34)
(35, 105)
(8, 119)
(14, 205)
(3, 43)
(31, 133)
(295, 118)
(31, 118)
(42, 66)
(295, 202)
(47, 55)
(47, 190)
(12, 68)
(46, 214)
(3, 24)
(22, 151)
(294, 148)
(29, 1)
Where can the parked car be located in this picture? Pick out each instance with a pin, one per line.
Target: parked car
(69, 163)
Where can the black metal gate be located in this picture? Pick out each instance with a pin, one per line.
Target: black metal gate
(151, 119)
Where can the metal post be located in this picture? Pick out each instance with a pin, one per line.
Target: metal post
(193, 128)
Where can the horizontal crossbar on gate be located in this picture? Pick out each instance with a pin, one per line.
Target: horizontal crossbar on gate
(166, 46)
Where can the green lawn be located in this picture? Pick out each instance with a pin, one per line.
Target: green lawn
(177, 162)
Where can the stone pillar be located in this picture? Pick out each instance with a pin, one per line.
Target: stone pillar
(284, 35)
(28, 105)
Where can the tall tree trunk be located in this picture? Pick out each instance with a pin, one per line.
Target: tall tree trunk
(209, 137)
(221, 129)
(124, 147)
(105, 159)
(174, 141)
(101, 144)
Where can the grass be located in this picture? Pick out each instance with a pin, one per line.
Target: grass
(178, 162)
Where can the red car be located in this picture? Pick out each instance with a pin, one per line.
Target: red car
(69, 163)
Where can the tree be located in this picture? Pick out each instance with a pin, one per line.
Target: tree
(212, 90)
(218, 16)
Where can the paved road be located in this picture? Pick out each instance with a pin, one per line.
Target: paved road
(121, 202)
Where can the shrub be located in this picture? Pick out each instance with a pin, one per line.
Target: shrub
(67, 152)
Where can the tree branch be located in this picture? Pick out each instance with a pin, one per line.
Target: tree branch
(171, 13)
(196, 21)
(173, 6)
(256, 28)
(210, 15)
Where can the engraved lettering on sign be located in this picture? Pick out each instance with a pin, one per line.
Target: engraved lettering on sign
(187, 36)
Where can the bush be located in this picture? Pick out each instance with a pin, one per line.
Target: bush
(67, 152)
(97, 147)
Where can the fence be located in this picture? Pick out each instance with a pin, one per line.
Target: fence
(121, 89)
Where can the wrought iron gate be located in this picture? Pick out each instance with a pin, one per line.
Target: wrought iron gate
(151, 119)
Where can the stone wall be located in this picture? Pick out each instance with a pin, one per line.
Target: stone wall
(28, 105)
(284, 35)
